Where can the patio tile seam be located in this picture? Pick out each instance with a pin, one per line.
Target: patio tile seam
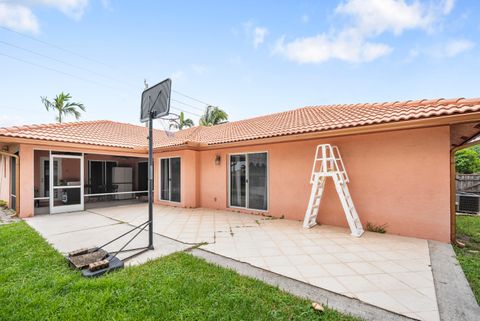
(386, 314)
(132, 225)
(354, 294)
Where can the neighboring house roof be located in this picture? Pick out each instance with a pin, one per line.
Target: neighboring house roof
(298, 121)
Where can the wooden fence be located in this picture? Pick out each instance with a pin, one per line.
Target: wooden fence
(469, 183)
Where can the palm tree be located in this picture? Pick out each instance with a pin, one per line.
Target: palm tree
(181, 122)
(213, 116)
(63, 107)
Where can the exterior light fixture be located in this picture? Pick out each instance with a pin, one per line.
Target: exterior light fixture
(218, 159)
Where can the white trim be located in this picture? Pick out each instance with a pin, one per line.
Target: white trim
(115, 193)
(67, 208)
(43, 159)
(169, 188)
(248, 181)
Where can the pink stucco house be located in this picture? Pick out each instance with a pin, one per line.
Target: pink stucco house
(399, 157)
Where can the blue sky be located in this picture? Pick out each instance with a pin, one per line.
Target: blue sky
(249, 57)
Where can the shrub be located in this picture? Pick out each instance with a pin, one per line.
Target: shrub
(377, 228)
(467, 161)
(3, 204)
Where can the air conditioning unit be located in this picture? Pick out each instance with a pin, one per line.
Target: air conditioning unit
(468, 203)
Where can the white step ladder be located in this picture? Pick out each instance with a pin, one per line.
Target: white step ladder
(329, 163)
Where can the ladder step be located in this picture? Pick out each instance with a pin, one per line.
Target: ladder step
(331, 166)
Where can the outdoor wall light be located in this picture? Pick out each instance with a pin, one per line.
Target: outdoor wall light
(218, 159)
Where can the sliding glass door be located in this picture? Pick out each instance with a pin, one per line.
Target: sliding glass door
(248, 181)
(170, 187)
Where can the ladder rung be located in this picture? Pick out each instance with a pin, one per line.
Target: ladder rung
(331, 166)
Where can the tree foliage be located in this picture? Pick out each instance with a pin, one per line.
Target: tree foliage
(63, 107)
(467, 161)
(181, 122)
(213, 116)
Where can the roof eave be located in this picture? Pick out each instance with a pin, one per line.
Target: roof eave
(365, 129)
(67, 145)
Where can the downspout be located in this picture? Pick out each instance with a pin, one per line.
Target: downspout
(17, 179)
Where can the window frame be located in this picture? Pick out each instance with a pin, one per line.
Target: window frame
(170, 183)
(247, 187)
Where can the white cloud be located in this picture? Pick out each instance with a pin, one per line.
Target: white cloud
(71, 8)
(447, 6)
(453, 48)
(322, 48)
(373, 17)
(259, 34)
(364, 20)
(18, 17)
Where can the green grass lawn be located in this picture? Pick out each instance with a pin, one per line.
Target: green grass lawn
(36, 284)
(468, 232)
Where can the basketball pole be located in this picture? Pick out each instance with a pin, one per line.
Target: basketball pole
(150, 180)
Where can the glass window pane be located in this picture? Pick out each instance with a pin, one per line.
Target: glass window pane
(175, 179)
(165, 179)
(237, 180)
(257, 181)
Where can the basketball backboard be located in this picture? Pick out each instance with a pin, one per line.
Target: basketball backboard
(156, 99)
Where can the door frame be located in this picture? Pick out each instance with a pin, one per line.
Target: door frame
(67, 208)
(247, 183)
(43, 159)
(170, 182)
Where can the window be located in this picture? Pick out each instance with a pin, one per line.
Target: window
(248, 181)
(170, 177)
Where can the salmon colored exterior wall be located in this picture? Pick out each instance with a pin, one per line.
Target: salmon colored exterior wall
(398, 178)
(189, 178)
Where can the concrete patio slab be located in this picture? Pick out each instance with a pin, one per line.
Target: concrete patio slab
(71, 231)
(387, 271)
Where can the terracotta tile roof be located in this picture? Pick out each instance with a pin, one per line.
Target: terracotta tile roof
(303, 120)
(328, 117)
(100, 132)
